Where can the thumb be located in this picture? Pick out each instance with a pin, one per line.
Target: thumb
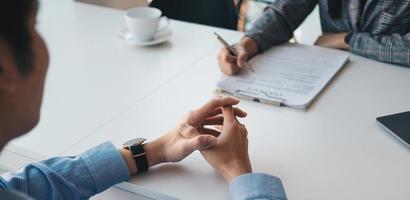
(199, 143)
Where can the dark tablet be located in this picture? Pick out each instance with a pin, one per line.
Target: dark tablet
(397, 124)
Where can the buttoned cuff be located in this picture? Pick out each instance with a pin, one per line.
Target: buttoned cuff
(257, 186)
(106, 165)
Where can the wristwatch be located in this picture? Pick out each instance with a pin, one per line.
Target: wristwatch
(136, 146)
(348, 37)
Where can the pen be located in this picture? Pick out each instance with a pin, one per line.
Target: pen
(232, 50)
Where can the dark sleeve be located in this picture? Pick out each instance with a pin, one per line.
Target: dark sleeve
(279, 20)
(394, 48)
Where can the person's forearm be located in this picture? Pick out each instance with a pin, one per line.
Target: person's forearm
(333, 40)
(393, 48)
(278, 22)
(250, 45)
(234, 168)
(153, 151)
(75, 177)
(129, 160)
(257, 186)
(271, 29)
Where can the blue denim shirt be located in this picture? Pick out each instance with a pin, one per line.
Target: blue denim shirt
(80, 177)
(379, 28)
(257, 186)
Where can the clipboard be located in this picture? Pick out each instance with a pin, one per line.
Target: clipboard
(252, 97)
(289, 75)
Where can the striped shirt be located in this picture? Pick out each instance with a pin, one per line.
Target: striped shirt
(82, 176)
(379, 28)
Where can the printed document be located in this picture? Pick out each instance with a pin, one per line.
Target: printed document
(291, 74)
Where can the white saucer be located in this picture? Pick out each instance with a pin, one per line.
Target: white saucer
(160, 37)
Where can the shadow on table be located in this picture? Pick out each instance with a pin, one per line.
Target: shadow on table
(163, 171)
(393, 138)
(163, 46)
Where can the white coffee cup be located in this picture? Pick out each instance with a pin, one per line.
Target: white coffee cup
(144, 22)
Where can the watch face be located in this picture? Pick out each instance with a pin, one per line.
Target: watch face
(133, 142)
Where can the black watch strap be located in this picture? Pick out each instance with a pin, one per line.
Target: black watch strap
(140, 158)
(348, 37)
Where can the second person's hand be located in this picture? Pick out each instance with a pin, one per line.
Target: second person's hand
(230, 64)
(229, 156)
(191, 133)
(333, 40)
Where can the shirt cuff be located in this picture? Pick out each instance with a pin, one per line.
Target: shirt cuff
(255, 35)
(257, 186)
(348, 38)
(106, 165)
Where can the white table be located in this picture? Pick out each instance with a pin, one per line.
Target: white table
(335, 150)
(94, 76)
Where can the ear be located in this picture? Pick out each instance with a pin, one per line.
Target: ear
(8, 70)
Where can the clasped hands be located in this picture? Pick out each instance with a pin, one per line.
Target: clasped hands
(225, 146)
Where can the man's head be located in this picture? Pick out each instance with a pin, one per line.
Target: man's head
(23, 66)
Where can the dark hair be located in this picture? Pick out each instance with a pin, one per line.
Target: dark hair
(14, 30)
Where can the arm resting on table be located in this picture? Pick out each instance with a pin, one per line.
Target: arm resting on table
(393, 48)
(77, 177)
(257, 186)
(278, 22)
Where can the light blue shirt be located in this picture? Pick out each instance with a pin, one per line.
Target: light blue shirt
(80, 177)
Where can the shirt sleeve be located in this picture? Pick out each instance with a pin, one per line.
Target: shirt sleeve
(76, 177)
(278, 22)
(257, 186)
(394, 48)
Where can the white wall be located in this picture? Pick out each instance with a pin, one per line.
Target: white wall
(310, 29)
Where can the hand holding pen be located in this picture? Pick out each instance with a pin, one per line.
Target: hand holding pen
(232, 59)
